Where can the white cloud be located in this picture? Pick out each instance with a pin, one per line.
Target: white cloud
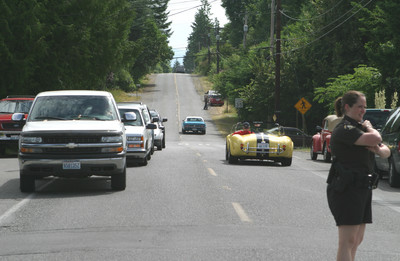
(182, 14)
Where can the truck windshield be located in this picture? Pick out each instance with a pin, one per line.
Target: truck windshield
(73, 108)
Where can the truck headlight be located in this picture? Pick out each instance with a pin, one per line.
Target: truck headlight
(27, 139)
(111, 139)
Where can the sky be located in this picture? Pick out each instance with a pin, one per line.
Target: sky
(181, 14)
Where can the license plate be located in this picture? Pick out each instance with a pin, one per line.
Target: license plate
(194, 129)
(71, 165)
(263, 146)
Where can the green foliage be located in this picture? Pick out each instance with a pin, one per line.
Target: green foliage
(124, 81)
(365, 79)
(48, 45)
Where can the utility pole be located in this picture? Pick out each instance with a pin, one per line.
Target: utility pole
(218, 37)
(278, 61)
(271, 35)
(208, 45)
(245, 29)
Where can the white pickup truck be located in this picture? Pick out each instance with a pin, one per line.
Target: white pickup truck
(72, 134)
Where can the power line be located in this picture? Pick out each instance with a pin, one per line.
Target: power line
(318, 16)
(326, 26)
(190, 9)
(318, 38)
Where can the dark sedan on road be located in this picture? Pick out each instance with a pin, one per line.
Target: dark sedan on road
(299, 138)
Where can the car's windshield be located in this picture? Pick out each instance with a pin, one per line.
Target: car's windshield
(137, 122)
(73, 108)
(15, 106)
(256, 127)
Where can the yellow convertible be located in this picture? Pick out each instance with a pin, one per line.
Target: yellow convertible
(259, 144)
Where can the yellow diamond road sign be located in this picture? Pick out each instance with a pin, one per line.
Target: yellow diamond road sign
(302, 105)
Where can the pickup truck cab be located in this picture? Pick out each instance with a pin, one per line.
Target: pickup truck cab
(72, 134)
(320, 143)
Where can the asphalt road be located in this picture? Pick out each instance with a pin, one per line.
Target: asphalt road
(188, 203)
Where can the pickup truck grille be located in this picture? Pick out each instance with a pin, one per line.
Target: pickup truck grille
(71, 139)
(12, 126)
(71, 151)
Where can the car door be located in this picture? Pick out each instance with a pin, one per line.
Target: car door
(149, 132)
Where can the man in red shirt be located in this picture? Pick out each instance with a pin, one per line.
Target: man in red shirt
(246, 129)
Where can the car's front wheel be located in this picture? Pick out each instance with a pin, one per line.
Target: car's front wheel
(326, 154)
(163, 142)
(286, 161)
(26, 183)
(118, 182)
(313, 155)
(231, 159)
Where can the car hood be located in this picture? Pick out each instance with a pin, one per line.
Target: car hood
(77, 125)
(134, 129)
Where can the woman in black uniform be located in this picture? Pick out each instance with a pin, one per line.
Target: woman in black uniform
(353, 144)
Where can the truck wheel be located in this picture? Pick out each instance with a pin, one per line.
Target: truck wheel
(163, 143)
(326, 154)
(144, 162)
(394, 175)
(118, 182)
(26, 183)
(2, 151)
(312, 153)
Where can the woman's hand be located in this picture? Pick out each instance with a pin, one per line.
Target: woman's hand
(381, 150)
(367, 125)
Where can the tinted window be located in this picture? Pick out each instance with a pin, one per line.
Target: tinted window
(377, 117)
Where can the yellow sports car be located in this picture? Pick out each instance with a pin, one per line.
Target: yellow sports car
(252, 141)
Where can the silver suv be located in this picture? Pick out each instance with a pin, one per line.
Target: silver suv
(72, 134)
(139, 133)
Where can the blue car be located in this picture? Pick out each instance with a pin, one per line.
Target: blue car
(193, 124)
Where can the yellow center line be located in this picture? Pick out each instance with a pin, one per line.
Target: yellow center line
(212, 172)
(241, 213)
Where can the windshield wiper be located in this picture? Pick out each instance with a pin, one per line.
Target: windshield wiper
(49, 118)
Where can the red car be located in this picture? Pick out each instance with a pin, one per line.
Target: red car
(320, 143)
(214, 98)
(10, 130)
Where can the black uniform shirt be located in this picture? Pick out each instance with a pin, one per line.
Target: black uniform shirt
(352, 156)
